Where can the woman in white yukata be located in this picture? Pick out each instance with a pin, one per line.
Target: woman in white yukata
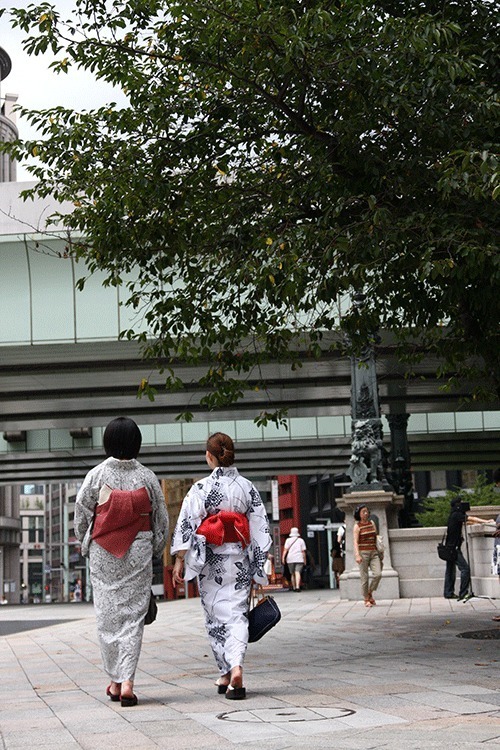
(222, 536)
(121, 519)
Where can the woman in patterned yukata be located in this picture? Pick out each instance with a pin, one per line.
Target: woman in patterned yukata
(121, 519)
(222, 536)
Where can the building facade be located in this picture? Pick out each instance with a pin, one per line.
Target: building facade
(66, 576)
(32, 548)
(10, 540)
(8, 128)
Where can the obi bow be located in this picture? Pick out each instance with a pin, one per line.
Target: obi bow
(225, 526)
(118, 520)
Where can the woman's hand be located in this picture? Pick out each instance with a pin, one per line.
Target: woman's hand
(358, 559)
(178, 571)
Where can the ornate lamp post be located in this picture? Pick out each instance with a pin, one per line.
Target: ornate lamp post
(369, 486)
(365, 466)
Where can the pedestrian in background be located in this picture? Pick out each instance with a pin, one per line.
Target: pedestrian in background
(294, 555)
(366, 554)
(454, 538)
(122, 522)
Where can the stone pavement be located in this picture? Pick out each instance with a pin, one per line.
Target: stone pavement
(331, 674)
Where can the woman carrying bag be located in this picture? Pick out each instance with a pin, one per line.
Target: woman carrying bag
(294, 555)
(222, 536)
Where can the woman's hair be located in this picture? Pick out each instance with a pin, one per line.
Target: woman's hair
(122, 439)
(221, 447)
(357, 512)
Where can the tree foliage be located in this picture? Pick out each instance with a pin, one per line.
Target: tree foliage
(275, 157)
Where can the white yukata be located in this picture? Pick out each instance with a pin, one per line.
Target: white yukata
(121, 585)
(224, 572)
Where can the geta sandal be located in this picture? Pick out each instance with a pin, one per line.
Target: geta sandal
(128, 700)
(221, 687)
(235, 693)
(113, 696)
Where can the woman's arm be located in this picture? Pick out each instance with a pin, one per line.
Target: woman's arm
(355, 534)
(86, 500)
(283, 554)
(260, 537)
(178, 571)
(474, 519)
(185, 543)
(159, 517)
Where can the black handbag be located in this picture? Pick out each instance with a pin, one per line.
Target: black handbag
(262, 617)
(446, 551)
(152, 610)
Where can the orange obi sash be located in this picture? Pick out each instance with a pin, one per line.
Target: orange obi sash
(118, 520)
(225, 526)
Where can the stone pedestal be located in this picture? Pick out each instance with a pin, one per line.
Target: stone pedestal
(385, 506)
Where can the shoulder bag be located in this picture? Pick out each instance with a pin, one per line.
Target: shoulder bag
(263, 616)
(446, 551)
(152, 610)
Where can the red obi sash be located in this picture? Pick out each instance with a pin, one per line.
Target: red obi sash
(225, 526)
(120, 518)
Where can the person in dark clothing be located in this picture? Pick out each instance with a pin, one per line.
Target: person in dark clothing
(454, 538)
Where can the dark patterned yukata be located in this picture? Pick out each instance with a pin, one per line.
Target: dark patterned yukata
(225, 572)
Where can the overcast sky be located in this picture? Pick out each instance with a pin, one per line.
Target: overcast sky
(37, 87)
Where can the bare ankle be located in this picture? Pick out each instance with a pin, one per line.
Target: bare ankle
(127, 687)
(237, 677)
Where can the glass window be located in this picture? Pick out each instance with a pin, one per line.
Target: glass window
(52, 279)
(227, 427)
(441, 422)
(194, 432)
(128, 316)
(15, 297)
(60, 439)
(438, 480)
(246, 429)
(96, 307)
(491, 420)
(168, 433)
(469, 478)
(271, 432)
(469, 420)
(325, 494)
(332, 426)
(148, 434)
(302, 427)
(417, 423)
(37, 440)
(314, 496)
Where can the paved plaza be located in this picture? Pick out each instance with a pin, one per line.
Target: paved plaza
(332, 674)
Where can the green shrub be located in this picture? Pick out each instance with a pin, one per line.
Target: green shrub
(437, 509)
